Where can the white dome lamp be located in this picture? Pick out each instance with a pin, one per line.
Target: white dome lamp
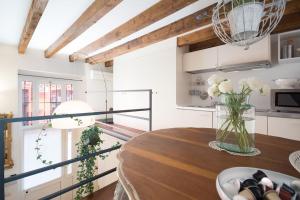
(72, 107)
(244, 22)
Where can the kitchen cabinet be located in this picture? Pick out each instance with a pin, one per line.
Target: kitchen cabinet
(284, 127)
(232, 55)
(194, 118)
(261, 125)
(200, 60)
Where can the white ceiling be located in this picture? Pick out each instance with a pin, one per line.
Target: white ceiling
(60, 14)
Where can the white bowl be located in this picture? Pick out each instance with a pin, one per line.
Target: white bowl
(243, 173)
(288, 83)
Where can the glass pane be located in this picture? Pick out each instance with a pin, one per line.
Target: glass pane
(42, 93)
(53, 106)
(41, 108)
(27, 112)
(53, 93)
(26, 101)
(58, 93)
(52, 139)
(47, 93)
(69, 92)
(27, 91)
(47, 109)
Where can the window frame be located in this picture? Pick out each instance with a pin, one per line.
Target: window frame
(36, 81)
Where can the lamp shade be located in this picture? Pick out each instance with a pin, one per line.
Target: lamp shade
(72, 107)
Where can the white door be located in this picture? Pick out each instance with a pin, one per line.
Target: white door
(38, 97)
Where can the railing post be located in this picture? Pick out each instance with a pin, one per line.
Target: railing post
(150, 111)
(2, 152)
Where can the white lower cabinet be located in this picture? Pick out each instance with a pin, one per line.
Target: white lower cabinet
(261, 125)
(194, 118)
(284, 127)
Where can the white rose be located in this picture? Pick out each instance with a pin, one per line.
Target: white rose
(254, 84)
(213, 90)
(215, 79)
(243, 83)
(225, 86)
(265, 90)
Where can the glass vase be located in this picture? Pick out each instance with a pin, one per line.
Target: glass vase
(235, 123)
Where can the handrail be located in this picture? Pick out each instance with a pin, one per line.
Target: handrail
(4, 121)
(35, 118)
(56, 165)
(72, 187)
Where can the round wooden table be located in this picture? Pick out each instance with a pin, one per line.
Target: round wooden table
(177, 163)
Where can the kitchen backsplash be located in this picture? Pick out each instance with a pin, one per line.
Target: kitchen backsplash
(199, 83)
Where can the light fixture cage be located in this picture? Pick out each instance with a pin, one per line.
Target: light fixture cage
(244, 22)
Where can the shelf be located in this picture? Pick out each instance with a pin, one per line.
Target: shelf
(288, 44)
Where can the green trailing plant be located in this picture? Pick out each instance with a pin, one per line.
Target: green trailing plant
(90, 142)
(42, 134)
(38, 145)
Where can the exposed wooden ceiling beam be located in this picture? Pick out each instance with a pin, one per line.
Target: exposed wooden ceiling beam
(153, 14)
(290, 21)
(109, 63)
(35, 13)
(90, 16)
(196, 20)
(197, 36)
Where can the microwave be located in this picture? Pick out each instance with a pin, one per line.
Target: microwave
(285, 100)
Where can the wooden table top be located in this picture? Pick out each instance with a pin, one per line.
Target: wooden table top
(178, 164)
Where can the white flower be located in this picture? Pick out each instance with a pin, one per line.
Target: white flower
(215, 79)
(225, 86)
(213, 90)
(243, 83)
(265, 90)
(254, 84)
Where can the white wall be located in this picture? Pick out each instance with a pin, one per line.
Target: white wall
(154, 67)
(10, 63)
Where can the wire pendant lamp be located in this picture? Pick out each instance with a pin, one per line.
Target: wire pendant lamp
(244, 22)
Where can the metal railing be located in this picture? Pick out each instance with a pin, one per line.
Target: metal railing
(16, 177)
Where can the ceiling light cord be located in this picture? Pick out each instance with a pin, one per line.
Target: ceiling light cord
(104, 80)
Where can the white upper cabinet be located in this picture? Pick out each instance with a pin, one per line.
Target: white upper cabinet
(232, 55)
(200, 60)
(226, 55)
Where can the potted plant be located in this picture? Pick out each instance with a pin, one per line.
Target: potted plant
(244, 18)
(235, 115)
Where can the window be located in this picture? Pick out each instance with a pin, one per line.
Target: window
(49, 98)
(52, 139)
(27, 100)
(69, 92)
(40, 97)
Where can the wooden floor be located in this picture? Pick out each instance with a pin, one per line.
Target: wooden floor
(106, 193)
(123, 130)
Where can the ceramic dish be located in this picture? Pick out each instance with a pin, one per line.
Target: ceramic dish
(243, 173)
(295, 160)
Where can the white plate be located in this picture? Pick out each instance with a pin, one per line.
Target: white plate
(295, 160)
(245, 173)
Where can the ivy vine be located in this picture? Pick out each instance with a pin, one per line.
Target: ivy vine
(38, 145)
(90, 142)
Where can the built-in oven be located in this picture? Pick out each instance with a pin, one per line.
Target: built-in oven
(285, 100)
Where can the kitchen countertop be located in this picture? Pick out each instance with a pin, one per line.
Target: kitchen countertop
(259, 112)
